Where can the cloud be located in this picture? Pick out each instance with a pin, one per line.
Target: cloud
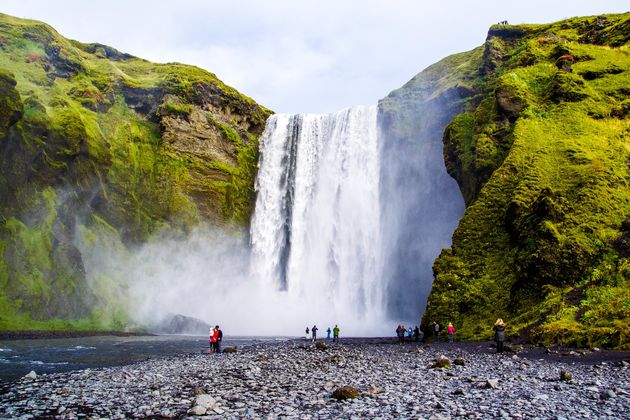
(298, 56)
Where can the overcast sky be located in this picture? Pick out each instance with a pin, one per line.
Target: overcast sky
(298, 55)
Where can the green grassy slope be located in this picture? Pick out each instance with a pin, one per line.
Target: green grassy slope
(99, 144)
(542, 156)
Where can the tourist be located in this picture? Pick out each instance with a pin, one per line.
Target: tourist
(416, 333)
(499, 334)
(451, 332)
(436, 331)
(216, 338)
(219, 339)
(328, 331)
(212, 340)
(336, 333)
(409, 333)
(314, 331)
(307, 333)
(400, 332)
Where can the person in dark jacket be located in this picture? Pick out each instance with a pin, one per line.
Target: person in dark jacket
(400, 332)
(416, 333)
(499, 334)
(219, 339)
(314, 332)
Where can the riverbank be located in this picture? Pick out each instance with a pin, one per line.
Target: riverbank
(295, 379)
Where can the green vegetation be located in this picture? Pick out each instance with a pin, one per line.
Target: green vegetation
(542, 156)
(97, 144)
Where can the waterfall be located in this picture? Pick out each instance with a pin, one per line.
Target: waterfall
(315, 233)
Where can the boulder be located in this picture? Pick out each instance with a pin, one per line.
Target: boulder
(229, 350)
(566, 376)
(459, 361)
(345, 393)
(320, 345)
(205, 400)
(198, 410)
(441, 362)
(31, 375)
(492, 384)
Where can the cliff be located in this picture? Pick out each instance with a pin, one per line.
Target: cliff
(542, 157)
(98, 145)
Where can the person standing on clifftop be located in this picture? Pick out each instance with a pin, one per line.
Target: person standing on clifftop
(436, 331)
(499, 334)
(314, 331)
(451, 332)
(307, 331)
(328, 331)
(336, 333)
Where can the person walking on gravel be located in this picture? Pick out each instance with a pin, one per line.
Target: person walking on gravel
(314, 331)
(451, 332)
(336, 334)
(328, 331)
(307, 332)
(416, 333)
(436, 331)
(499, 334)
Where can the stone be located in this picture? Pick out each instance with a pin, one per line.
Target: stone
(373, 390)
(198, 410)
(492, 384)
(459, 361)
(31, 375)
(320, 345)
(205, 400)
(458, 391)
(441, 362)
(566, 376)
(345, 393)
(229, 350)
(609, 393)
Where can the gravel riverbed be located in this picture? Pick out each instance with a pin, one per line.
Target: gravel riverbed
(295, 379)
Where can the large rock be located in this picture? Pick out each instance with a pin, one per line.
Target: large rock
(345, 392)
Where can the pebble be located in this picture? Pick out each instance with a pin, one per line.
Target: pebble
(292, 380)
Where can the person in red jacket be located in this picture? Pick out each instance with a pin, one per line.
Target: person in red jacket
(213, 340)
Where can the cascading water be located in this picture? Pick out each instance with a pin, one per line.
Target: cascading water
(351, 210)
(315, 231)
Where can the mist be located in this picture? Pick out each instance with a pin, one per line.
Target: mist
(349, 217)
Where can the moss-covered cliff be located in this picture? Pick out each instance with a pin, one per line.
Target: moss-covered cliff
(98, 144)
(542, 157)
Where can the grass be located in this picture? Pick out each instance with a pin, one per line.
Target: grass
(87, 127)
(542, 159)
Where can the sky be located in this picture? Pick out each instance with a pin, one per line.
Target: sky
(298, 56)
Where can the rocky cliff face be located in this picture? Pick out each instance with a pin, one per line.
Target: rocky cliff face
(98, 145)
(542, 157)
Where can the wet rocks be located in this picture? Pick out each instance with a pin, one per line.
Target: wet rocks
(229, 350)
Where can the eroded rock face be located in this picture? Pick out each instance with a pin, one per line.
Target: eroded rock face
(99, 155)
(545, 105)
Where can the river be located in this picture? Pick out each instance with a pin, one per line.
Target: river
(19, 357)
